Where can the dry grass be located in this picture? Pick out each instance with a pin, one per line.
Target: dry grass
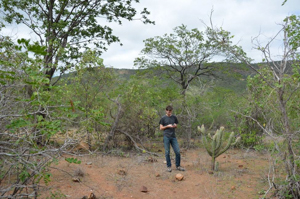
(79, 172)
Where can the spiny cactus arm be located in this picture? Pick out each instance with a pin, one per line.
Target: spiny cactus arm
(227, 146)
(213, 145)
(201, 129)
(219, 139)
(204, 139)
(209, 136)
(236, 141)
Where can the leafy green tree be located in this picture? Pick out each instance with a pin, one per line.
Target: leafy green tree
(65, 27)
(182, 55)
(261, 109)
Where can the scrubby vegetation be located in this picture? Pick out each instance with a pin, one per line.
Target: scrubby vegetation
(104, 110)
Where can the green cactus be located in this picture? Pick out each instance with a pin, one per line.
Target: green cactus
(215, 147)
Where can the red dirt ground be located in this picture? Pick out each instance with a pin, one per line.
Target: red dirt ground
(241, 175)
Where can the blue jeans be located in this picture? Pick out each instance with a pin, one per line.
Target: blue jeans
(175, 146)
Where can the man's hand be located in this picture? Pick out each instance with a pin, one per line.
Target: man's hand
(170, 126)
(161, 127)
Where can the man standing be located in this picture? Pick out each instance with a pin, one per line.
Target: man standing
(168, 123)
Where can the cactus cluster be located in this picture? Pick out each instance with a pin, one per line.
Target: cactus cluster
(214, 143)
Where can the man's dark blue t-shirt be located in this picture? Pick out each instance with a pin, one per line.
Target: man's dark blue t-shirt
(166, 120)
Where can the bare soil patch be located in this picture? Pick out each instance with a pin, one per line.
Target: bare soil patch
(241, 175)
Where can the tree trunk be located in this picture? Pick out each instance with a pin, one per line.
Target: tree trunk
(115, 124)
(290, 163)
(89, 142)
(186, 124)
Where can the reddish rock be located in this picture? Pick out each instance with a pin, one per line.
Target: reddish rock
(121, 172)
(76, 180)
(179, 177)
(143, 189)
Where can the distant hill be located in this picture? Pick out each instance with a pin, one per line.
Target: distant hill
(228, 75)
(125, 73)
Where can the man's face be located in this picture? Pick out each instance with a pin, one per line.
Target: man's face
(169, 112)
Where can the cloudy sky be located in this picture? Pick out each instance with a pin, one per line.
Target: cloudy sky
(243, 18)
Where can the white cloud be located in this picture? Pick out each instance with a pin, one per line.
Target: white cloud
(243, 18)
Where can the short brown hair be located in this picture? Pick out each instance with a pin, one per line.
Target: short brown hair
(169, 108)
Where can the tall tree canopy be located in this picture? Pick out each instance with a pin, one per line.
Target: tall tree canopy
(183, 55)
(67, 26)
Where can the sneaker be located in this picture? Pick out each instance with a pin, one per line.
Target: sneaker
(169, 169)
(180, 168)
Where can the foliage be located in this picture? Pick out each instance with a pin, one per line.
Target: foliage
(214, 107)
(283, 81)
(260, 110)
(73, 160)
(149, 97)
(67, 27)
(32, 108)
(87, 89)
(23, 161)
(183, 55)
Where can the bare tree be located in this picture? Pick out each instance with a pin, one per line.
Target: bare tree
(284, 81)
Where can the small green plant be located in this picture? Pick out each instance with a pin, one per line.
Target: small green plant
(57, 195)
(214, 144)
(259, 148)
(250, 138)
(73, 160)
(261, 192)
